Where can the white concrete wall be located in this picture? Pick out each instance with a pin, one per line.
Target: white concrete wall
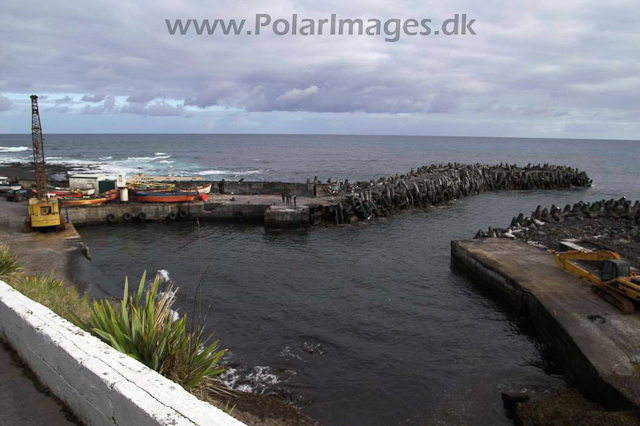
(101, 385)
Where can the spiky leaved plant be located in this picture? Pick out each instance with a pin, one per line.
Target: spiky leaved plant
(8, 262)
(147, 332)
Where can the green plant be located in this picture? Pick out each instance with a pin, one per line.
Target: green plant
(147, 332)
(8, 262)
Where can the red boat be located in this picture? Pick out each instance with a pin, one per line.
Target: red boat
(166, 197)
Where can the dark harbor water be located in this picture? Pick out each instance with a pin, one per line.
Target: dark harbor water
(368, 323)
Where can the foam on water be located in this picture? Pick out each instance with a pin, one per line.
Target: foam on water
(157, 157)
(13, 148)
(164, 275)
(258, 380)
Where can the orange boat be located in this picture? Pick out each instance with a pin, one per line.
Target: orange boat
(166, 197)
(89, 201)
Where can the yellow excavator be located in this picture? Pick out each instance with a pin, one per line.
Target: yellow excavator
(616, 283)
(44, 212)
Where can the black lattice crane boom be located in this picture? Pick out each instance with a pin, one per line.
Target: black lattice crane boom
(38, 150)
(43, 212)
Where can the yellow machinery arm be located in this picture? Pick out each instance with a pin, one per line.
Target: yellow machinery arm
(619, 288)
(563, 259)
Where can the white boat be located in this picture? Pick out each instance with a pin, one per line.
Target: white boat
(6, 186)
(200, 189)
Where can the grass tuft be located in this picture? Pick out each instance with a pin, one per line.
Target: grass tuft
(8, 262)
(52, 293)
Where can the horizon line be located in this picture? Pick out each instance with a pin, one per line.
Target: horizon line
(332, 134)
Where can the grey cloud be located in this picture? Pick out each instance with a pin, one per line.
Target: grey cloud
(5, 103)
(92, 98)
(107, 106)
(157, 109)
(66, 100)
(142, 97)
(527, 61)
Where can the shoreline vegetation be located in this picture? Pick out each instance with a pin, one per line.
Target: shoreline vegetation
(149, 333)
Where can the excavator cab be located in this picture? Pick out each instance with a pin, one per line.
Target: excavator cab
(614, 268)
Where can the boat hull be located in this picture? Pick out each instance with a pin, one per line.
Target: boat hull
(7, 188)
(89, 201)
(74, 202)
(165, 197)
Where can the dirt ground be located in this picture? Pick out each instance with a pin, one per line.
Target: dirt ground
(565, 407)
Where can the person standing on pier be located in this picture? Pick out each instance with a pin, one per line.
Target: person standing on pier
(283, 196)
(295, 201)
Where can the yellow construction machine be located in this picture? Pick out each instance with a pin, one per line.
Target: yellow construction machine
(616, 282)
(44, 212)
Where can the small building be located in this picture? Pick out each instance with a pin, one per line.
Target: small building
(91, 181)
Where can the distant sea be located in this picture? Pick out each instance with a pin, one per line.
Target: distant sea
(367, 324)
(613, 164)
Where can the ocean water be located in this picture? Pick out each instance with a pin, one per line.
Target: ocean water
(361, 324)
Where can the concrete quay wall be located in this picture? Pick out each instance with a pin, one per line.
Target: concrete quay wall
(99, 384)
(118, 213)
(286, 217)
(596, 344)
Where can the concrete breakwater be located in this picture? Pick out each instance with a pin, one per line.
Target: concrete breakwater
(596, 344)
(360, 201)
(435, 184)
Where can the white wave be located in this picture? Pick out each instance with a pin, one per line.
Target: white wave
(230, 172)
(160, 153)
(101, 165)
(256, 381)
(230, 377)
(157, 157)
(286, 352)
(249, 172)
(13, 148)
(164, 275)
(215, 172)
(15, 159)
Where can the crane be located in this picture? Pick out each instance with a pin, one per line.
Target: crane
(616, 283)
(43, 212)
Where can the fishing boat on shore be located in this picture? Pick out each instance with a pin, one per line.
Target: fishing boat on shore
(6, 186)
(89, 201)
(166, 197)
(199, 189)
(140, 178)
(66, 192)
(134, 189)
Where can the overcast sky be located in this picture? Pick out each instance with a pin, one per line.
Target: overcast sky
(543, 68)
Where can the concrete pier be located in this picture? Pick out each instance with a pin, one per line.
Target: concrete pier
(599, 347)
(286, 216)
(221, 208)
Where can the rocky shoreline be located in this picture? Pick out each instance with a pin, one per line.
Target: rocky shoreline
(55, 172)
